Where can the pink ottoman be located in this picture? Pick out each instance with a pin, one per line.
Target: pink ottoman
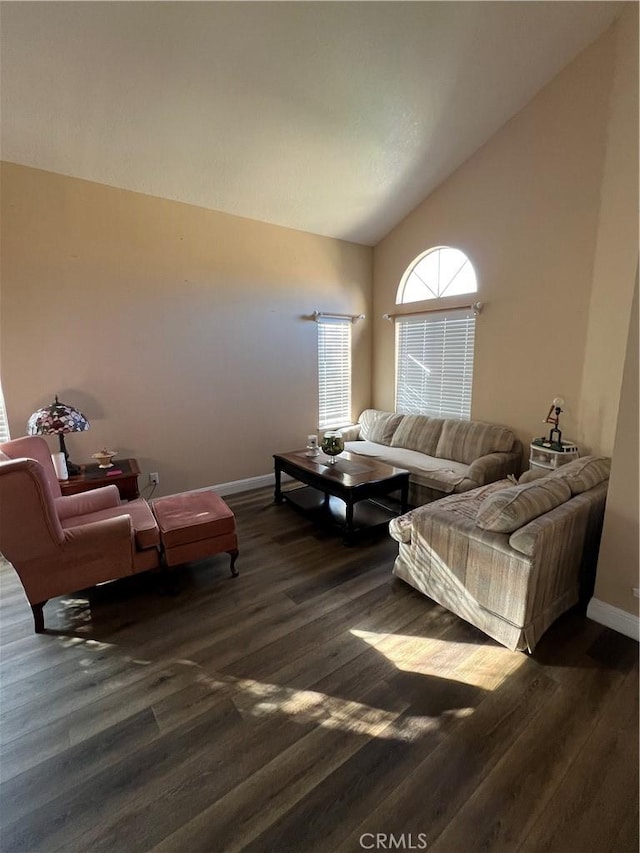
(194, 525)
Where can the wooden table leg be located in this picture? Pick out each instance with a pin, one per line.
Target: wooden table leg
(277, 495)
(404, 496)
(348, 527)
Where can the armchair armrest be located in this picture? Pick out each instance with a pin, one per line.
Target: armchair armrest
(105, 497)
(492, 467)
(89, 554)
(103, 534)
(99, 551)
(350, 433)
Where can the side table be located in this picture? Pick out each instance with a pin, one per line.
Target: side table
(124, 474)
(548, 458)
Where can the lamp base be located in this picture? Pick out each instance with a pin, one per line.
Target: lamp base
(72, 469)
(555, 436)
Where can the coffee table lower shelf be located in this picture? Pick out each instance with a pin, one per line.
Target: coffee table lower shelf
(329, 511)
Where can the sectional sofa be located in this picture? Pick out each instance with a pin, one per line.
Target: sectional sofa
(442, 455)
(509, 559)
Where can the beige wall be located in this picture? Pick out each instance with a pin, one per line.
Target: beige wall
(525, 209)
(616, 255)
(609, 405)
(618, 559)
(177, 331)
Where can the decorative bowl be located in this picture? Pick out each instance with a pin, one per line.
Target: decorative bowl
(333, 445)
(104, 457)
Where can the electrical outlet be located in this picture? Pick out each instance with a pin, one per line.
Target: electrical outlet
(154, 478)
(636, 591)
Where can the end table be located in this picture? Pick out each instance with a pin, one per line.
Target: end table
(124, 474)
(548, 458)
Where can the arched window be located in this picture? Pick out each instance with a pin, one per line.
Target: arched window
(441, 271)
(434, 350)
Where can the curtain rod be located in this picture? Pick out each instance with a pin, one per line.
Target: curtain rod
(476, 307)
(353, 317)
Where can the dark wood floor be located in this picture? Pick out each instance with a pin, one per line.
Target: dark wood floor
(303, 706)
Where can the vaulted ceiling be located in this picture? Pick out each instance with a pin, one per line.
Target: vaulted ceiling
(330, 117)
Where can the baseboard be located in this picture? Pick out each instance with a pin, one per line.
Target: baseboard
(237, 486)
(246, 485)
(613, 617)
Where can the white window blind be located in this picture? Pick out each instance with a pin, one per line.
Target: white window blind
(4, 421)
(334, 373)
(434, 364)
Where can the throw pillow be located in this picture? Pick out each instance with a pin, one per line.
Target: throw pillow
(418, 432)
(378, 426)
(508, 509)
(583, 474)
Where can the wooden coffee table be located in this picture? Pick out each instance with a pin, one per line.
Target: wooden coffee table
(357, 482)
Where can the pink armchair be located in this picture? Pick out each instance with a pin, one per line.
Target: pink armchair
(58, 544)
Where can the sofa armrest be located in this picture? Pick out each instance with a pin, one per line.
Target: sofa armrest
(533, 474)
(401, 526)
(492, 467)
(105, 497)
(568, 521)
(350, 433)
(420, 521)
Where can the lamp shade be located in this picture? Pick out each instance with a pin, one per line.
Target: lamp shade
(56, 419)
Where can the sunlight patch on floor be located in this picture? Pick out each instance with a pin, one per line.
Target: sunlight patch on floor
(94, 645)
(259, 699)
(485, 666)
(474, 665)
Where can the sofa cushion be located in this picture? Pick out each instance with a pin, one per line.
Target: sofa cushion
(466, 441)
(440, 474)
(583, 474)
(367, 448)
(418, 432)
(508, 509)
(378, 426)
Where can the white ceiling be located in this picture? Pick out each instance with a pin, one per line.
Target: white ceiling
(334, 118)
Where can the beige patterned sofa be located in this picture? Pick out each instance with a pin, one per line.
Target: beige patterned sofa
(508, 558)
(443, 455)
